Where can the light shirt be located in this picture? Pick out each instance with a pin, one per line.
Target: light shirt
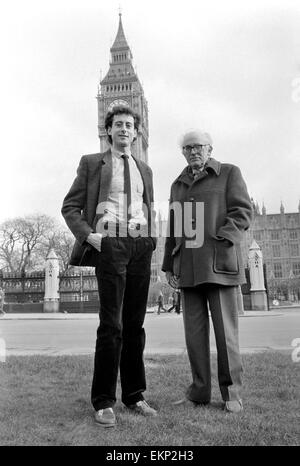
(115, 205)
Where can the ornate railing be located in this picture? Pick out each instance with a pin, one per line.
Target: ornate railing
(74, 285)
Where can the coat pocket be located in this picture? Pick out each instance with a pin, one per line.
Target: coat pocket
(83, 255)
(77, 253)
(225, 258)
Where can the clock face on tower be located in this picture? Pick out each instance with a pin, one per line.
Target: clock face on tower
(117, 102)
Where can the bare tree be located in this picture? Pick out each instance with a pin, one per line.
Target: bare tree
(9, 245)
(33, 231)
(20, 238)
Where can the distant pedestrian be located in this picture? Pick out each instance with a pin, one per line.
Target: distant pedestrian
(175, 302)
(172, 301)
(160, 303)
(2, 295)
(178, 301)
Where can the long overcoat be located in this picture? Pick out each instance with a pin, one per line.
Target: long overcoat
(207, 219)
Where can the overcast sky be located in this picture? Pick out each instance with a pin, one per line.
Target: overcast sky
(231, 68)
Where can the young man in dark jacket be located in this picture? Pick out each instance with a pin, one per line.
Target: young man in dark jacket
(109, 209)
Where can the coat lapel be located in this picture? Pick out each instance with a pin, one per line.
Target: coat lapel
(184, 177)
(104, 176)
(146, 181)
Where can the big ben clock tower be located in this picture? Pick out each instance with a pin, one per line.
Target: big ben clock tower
(121, 86)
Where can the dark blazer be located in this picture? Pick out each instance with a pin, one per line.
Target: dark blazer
(227, 214)
(91, 187)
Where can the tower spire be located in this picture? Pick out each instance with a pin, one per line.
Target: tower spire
(120, 40)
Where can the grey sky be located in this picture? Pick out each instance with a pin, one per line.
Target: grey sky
(231, 68)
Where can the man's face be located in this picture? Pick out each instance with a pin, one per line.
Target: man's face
(122, 131)
(196, 153)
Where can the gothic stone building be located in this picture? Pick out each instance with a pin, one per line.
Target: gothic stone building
(121, 86)
(278, 236)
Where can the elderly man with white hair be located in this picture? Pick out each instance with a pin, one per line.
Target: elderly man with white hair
(209, 211)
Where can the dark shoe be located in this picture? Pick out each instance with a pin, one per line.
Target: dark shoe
(142, 407)
(234, 406)
(105, 417)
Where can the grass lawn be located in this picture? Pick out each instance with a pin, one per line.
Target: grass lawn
(46, 401)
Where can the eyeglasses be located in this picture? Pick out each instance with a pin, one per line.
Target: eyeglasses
(195, 147)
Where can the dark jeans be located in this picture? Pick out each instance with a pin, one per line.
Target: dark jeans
(123, 276)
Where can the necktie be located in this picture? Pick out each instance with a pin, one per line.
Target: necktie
(127, 187)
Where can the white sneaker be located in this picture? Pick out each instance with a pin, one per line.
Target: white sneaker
(105, 417)
(234, 406)
(142, 407)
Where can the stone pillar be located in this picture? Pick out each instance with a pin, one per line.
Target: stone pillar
(258, 292)
(51, 299)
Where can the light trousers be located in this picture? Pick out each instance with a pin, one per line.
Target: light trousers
(223, 305)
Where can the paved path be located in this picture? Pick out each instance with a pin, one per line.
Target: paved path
(58, 334)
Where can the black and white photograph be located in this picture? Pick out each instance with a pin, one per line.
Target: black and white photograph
(150, 226)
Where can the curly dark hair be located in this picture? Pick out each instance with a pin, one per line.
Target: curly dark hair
(120, 110)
